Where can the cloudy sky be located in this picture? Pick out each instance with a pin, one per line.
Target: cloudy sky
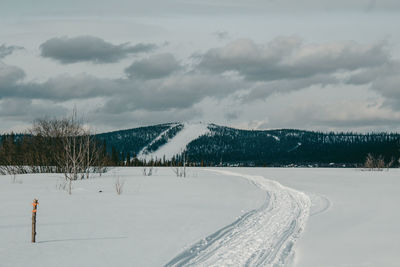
(254, 64)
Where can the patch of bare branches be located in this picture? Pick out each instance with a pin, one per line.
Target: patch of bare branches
(148, 171)
(180, 170)
(73, 149)
(377, 163)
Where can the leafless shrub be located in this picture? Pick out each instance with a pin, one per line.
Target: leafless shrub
(119, 184)
(376, 163)
(180, 171)
(148, 171)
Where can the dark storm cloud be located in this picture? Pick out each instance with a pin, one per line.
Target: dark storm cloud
(89, 48)
(154, 67)
(8, 50)
(289, 58)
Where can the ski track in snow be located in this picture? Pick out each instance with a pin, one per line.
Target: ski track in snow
(178, 143)
(319, 203)
(262, 237)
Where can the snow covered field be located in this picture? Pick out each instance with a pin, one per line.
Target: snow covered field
(159, 220)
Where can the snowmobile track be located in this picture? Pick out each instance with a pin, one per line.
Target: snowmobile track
(261, 237)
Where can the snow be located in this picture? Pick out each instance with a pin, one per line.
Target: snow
(178, 143)
(296, 147)
(354, 218)
(142, 154)
(275, 137)
(154, 219)
(231, 216)
(262, 237)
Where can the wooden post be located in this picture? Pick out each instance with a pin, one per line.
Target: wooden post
(34, 211)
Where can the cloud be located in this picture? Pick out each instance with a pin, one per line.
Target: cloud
(8, 50)
(154, 67)
(223, 84)
(384, 79)
(59, 88)
(9, 78)
(221, 35)
(351, 114)
(263, 90)
(11, 109)
(176, 92)
(289, 58)
(90, 49)
(136, 118)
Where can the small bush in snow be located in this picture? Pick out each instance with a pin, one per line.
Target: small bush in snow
(119, 184)
(377, 163)
(148, 171)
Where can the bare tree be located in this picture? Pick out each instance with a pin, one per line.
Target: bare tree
(74, 149)
(93, 154)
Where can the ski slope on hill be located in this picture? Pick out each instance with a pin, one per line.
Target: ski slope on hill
(178, 143)
(261, 237)
(143, 153)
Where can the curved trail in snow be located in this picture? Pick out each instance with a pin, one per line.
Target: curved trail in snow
(262, 237)
(319, 203)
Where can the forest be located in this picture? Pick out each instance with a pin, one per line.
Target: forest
(222, 146)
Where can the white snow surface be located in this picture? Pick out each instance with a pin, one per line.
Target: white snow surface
(264, 237)
(353, 218)
(178, 143)
(152, 221)
(143, 152)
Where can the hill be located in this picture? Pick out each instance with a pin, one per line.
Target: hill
(210, 144)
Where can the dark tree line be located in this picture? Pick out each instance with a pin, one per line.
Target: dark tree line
(230, 146)
(39, 154)
(222, 146)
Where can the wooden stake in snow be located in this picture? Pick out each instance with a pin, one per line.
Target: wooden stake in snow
(34, 211)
